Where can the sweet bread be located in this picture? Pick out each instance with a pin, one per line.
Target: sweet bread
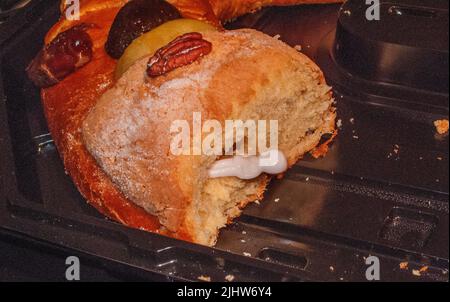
(158, 192)
(128, 131)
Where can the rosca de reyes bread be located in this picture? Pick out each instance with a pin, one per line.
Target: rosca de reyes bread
(113, 129)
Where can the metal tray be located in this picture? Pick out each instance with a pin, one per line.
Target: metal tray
(381, 191)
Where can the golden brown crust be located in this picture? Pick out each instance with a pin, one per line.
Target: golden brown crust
(230, 9)
(67, 103)
(212, 11)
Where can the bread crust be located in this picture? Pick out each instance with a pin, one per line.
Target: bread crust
(67, 104)
(230, 9)
(213, 11)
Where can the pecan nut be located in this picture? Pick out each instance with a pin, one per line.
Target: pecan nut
(182, 51)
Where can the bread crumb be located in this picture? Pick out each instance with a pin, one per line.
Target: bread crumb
(277, 200)
(277, 37)
(424, 269)
(298, 47)
(416, 273)
(441, 126)
(396, 149)
(244, 233)
(439, 158)
(352, 121)
(257, 202)
(339, 123)
(331, 269)
(247, 254)
(230, 278)
(243, 241)
(404, 265)
(355, 137)
(204, 278)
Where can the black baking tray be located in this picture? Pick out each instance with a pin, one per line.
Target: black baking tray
(382, 190)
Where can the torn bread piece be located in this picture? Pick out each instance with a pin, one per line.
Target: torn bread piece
(247, 76)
